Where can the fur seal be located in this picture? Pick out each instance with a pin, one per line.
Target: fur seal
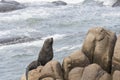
(31, 66)
(46, 53)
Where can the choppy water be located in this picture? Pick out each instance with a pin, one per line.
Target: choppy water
(68, 26)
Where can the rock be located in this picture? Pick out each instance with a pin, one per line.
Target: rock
(33, 74)
(116, 75)
(23, 77)
(76, 59)
(117, 3)
(10, 2)
(116, 56)
(58, 3)
(15, 40)
(6, 6)
(48, 78)
(99, 47)
(94, 72)
(31, 66)
(52, 70)
(90, 72)
(75, 73)
(106, 76)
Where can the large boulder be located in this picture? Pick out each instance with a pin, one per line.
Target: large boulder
(6, 6)
(90, 72)
(51, 71)
(106, 76)
(116, 56)
(95, 72)
(116, 75)
(48, 78)
(33, 74)
(99, 47)
(76, 59)
(75, 73)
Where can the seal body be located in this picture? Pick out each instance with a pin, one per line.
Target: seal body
(31, 66)
(46, 53)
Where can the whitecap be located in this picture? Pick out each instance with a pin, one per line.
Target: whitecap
(111, 14)
(36, 43)
(55, 36)
(74, 47)
(62, 49)
(3, 33)
(32, 1)
(24, 14)
(107, 2)
(69, 47)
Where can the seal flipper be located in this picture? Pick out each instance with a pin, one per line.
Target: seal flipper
(27, 70)
(31, 66)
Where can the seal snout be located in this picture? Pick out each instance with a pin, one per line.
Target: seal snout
(49, 40)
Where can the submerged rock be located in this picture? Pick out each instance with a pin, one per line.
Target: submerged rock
(116, 4)
(10, 2)
(6, 6)
(58, 3)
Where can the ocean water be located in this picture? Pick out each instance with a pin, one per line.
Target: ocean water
(22, 32)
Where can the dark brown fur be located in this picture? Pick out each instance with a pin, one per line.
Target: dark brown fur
(31, 66)
(46, 53)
